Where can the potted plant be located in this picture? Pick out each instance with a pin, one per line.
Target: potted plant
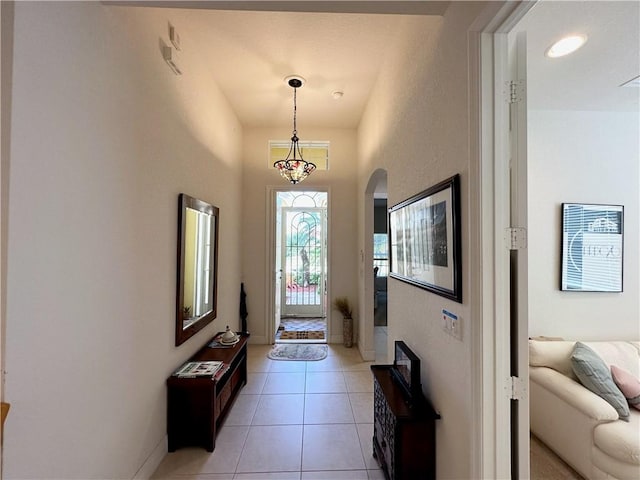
(344, 307)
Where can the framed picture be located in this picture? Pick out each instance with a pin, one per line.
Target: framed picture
(424, 240)
(592, 247)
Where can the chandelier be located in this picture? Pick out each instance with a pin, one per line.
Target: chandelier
(294, 169)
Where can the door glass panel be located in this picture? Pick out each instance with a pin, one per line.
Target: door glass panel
(303, 253)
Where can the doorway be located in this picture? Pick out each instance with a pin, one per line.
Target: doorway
(301, 266)
(380, 273)
(373, 342)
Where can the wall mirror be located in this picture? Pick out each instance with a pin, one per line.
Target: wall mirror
(196, 304)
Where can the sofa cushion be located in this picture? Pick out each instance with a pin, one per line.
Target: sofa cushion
(620, 440)
(556, 355)
(628, 385)
(605, 467)
(622, 354)
(594, 374)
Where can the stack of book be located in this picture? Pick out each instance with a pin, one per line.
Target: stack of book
(199, 369)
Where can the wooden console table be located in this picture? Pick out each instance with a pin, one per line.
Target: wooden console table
(404, 434)
(197, 406)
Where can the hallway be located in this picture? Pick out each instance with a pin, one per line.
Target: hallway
(293, 420)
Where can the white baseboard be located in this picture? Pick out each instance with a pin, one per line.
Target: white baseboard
(149, 467)
(368, 355)
(258, 340)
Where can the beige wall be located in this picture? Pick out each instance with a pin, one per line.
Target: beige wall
(581, 157)
(104, 137)
(416, 127)
(343, 252)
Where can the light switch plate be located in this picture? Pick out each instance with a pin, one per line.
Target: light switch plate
(452, 324)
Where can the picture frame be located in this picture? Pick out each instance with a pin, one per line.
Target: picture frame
(425, 240)
(406, 370)
(592, 248)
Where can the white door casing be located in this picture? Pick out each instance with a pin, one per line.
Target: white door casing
(519, 275)
(273, 274)
(490, 262)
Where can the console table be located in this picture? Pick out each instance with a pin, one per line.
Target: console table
(404, 435)
(197, 406)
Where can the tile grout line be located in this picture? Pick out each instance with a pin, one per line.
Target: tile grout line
(304, 410)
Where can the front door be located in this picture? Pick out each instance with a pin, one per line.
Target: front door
(303, 256)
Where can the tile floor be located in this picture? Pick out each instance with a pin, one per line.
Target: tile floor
(293, 420)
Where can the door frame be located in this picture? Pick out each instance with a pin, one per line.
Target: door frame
(270, 254)
(489, 193)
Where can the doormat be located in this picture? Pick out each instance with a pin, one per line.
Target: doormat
(302, 335)
(303, 352)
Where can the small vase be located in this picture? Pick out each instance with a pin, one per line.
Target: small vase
(347, 331)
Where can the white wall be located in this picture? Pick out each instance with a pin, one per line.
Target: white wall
(104, 138)
(416, 127)
(341, 181)
(581, 157)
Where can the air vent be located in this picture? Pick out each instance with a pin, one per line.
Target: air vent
(634, 82)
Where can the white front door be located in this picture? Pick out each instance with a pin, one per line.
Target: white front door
(303, 256)
(278, 272)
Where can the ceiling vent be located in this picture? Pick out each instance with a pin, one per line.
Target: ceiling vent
(634, 82)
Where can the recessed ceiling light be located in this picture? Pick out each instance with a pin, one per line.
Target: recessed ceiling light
(566, 45)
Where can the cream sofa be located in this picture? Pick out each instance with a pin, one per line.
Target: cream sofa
(585, 430)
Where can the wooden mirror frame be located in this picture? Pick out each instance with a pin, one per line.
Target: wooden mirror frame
(184, 202)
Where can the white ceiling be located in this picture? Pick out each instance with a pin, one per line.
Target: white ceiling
(250, 53)
(333, 52)
(590, 78)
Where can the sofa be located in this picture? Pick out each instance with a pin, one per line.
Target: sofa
(592, 432)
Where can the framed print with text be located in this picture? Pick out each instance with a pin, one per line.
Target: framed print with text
(424, 240)
(592, 247)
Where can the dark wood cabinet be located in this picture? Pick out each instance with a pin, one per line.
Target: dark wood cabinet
(404, 437)
(197, 406)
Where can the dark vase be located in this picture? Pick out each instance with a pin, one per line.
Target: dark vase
(347, 331)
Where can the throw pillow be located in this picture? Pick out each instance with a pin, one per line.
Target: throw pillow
(594, 374)
(628, 384)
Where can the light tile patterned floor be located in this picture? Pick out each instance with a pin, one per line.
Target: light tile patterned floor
(292, 421)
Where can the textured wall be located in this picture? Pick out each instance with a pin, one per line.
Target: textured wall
(416, 127)
(104, 137)
(340, 179)
(581, 157)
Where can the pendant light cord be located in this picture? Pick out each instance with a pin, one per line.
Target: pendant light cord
(295, 110)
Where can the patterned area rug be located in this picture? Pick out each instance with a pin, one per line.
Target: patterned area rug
(298, 351)
(303, 335)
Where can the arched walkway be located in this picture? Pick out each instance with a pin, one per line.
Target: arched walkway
(376, 189)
